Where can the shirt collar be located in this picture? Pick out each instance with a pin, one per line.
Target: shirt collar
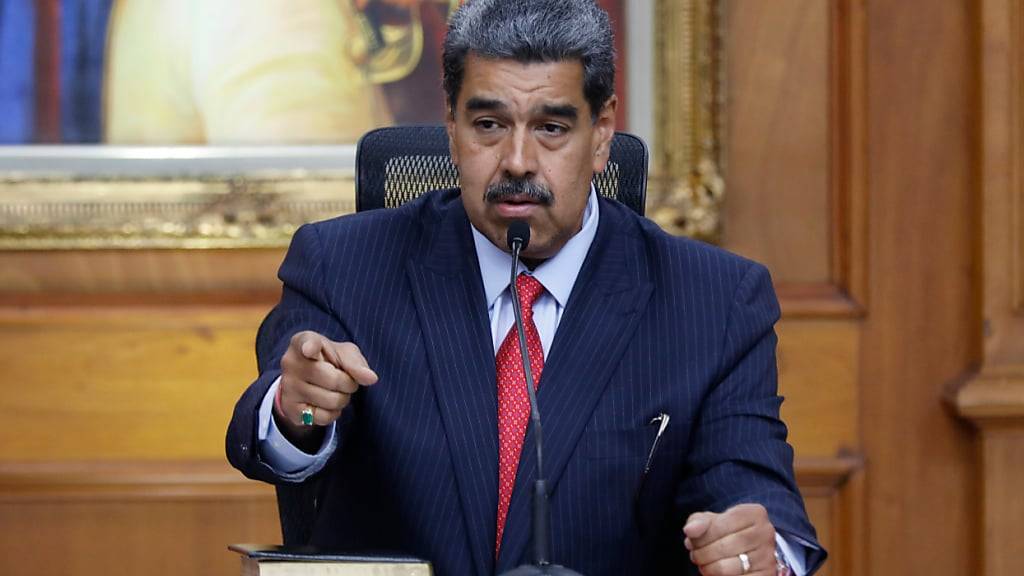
(557, 274)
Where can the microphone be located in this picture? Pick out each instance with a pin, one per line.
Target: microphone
(518, 238)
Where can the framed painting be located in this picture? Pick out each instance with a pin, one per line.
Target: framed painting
(220, 124)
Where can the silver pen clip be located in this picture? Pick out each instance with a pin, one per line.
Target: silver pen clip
(662, 420)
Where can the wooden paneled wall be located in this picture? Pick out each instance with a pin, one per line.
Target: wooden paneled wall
(857, 135)
(795, 167)
(873, 161)
(120, 373)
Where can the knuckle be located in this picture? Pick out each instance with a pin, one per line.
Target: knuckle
(747, 509)
(347, 384)
(758, 511)
(322, 373)
(337, 402)
(720, 548)
(288, 360)
(698, 557)
(288, 385)
(716, 569)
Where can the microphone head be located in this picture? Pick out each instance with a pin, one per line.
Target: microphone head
(518, 231)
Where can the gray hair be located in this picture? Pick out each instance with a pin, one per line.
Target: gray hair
(530, 31)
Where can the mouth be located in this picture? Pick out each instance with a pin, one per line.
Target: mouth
(517, 206)
(519, 199)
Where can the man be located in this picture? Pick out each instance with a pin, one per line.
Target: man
(653, 356)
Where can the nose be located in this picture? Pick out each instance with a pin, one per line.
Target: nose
(519, 157)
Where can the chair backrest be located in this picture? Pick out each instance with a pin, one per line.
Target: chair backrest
(397, 164)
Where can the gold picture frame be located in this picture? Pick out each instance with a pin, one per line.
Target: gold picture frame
(105, 197)
(81, 198)
(686, 188)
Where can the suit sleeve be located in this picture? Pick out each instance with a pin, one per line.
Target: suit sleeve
(304, 305)
(739, 450)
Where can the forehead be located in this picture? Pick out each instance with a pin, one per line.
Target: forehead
(519, 84)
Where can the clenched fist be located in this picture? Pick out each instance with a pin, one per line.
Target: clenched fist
(717, 541)
(320, 375)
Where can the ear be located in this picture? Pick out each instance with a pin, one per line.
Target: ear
(604, 131)
(449, 125)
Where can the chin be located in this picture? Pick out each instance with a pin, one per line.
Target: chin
(542, 252)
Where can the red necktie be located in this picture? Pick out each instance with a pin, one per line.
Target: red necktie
(513, 401)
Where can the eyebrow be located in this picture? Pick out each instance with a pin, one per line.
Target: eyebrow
(561, 110)
(477, 103)
(568, 111)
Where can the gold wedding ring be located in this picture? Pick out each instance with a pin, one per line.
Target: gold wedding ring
(308, 414)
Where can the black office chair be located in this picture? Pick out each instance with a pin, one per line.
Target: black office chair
(397, 164)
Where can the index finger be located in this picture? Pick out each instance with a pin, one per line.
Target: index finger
(311, 344)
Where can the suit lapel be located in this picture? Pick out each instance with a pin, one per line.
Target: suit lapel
(449, 298)
(610, 295)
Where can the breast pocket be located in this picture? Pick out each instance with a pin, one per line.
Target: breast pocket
(619, 443)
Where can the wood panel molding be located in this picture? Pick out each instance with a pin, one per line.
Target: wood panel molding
(823, 300)
(826, 475)
(798, 150)
(212, 479)
(833, 490)
(923, 325)
(848, 140)
(72, 481)
(844, 295)
(1018, 222)
(1018, 225)
(995, 393)
(993, 400)
(1015, 111)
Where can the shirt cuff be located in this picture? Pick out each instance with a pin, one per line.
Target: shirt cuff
(280, 454)
(795, 556)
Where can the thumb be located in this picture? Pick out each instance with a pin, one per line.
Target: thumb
(697, 524)
(347, 356)
(362, 374)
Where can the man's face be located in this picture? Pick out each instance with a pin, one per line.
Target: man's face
(522, 136)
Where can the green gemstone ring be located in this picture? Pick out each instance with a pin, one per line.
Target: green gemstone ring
(307, 416)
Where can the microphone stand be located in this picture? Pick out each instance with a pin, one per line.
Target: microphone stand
(518, 239)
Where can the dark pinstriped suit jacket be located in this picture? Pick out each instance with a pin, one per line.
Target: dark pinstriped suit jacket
(655, 324)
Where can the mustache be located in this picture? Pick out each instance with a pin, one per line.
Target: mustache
(519, 187)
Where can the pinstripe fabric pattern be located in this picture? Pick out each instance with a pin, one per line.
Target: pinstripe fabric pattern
(655, 324)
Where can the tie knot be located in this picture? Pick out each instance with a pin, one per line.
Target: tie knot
(529, 289)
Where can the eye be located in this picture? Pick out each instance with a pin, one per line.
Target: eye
(553, 129)
(486, 124)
